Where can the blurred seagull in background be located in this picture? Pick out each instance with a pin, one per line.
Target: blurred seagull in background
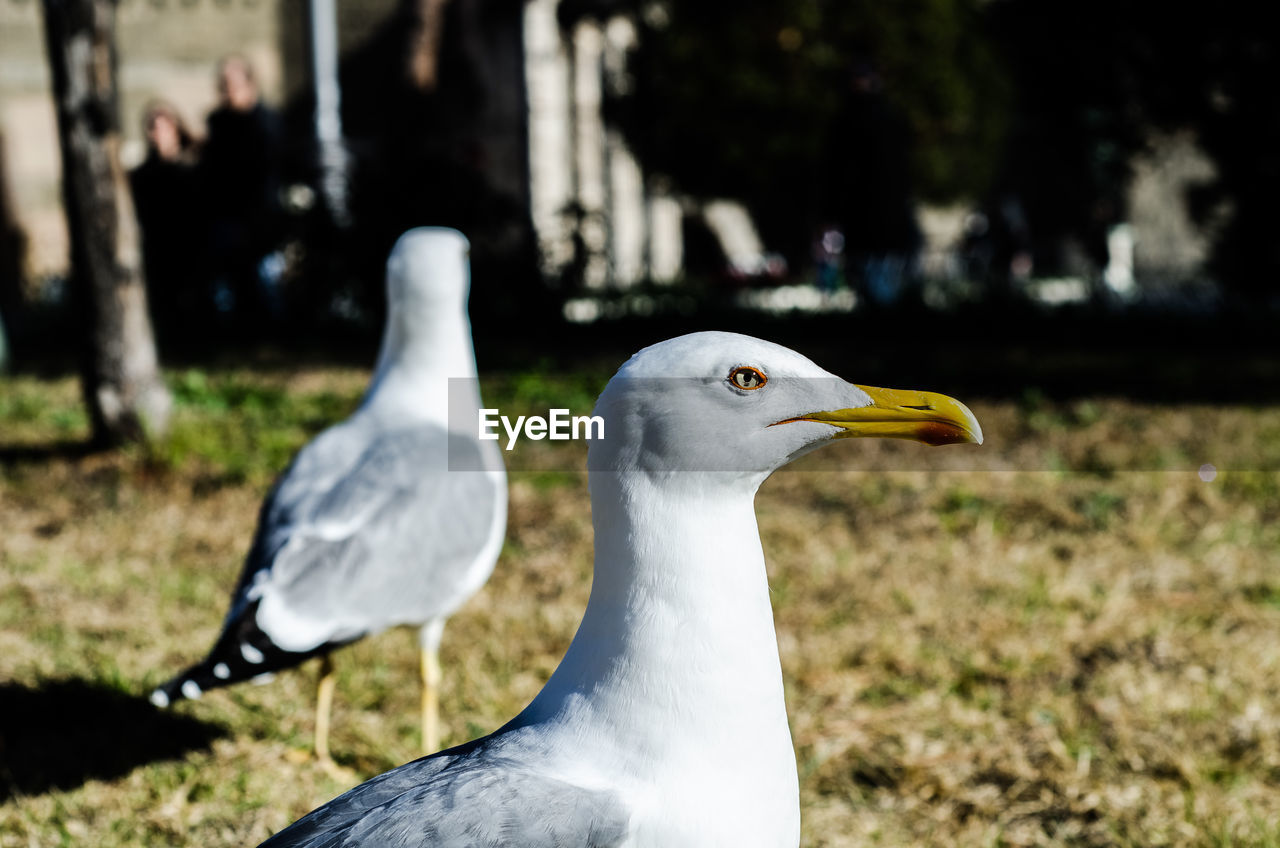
(369, 528)
(665, 724)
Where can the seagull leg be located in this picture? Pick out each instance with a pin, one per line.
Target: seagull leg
(324, 707)
(429, 640)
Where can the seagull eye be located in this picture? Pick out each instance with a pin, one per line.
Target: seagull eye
(747, 378)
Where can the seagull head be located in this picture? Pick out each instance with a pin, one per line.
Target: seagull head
(428, 270)
(725, 402)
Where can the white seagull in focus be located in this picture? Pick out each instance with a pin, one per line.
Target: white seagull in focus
(665, 723)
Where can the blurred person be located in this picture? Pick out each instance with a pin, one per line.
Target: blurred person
(828, 259)
(241, 165)
(997, 247)
(868, 183)
(169, 206)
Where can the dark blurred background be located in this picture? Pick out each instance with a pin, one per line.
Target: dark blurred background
(1077, 194)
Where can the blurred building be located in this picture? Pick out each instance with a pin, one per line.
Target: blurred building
(593, 212)
(529, 121)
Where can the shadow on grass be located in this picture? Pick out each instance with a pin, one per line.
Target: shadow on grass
(64, 449)
(61, 733)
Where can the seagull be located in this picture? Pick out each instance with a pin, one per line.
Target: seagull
(394, 516)
(664, 724)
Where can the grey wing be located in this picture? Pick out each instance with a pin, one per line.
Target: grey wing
(392, 540)
(451, 800)
(320, 464)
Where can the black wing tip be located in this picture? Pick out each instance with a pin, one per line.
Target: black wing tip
(161, 697)
(243, 652)
(215, 672)
(189, 685)
(229, 664)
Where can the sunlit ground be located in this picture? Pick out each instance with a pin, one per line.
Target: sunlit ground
(972, 657)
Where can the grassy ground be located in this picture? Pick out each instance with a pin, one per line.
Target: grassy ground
(973, 657)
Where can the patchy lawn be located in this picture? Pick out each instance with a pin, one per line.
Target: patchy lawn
(1035, 645)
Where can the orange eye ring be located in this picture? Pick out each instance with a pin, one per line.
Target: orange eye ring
(747, 378)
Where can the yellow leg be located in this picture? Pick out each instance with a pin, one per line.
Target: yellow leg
(324, 706)
(430, 699)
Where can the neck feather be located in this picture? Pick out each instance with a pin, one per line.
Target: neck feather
(679, 625)
(420, 356)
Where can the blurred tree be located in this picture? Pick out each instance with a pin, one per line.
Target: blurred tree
(1039, 103)
(740, 102)
(1095, 78)
(1072, 139)
(1216, 74)
(126, 398)
(13, 261)
(432, 108)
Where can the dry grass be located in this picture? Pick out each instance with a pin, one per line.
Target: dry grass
(973, 657)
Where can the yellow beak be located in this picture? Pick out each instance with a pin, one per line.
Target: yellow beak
(895, 414)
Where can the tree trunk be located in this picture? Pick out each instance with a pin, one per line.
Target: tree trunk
(13, 261)
(126, 398)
